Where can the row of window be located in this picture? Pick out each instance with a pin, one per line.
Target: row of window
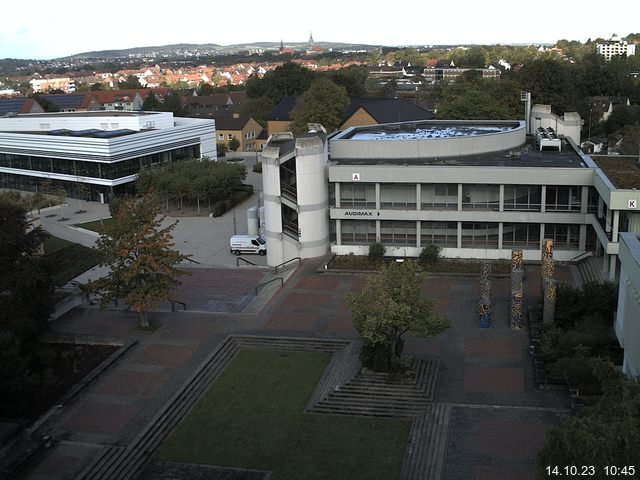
(445, 234)
(110, 171)
(474, 197)
(230, 136)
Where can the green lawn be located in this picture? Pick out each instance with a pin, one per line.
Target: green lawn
(68, 260)
(95, 224)
(252, 417)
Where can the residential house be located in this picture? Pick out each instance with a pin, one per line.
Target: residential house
(601, 108)
(375, 111)
(39, 84)
(361, 111)
(243, 128)
(73, 102)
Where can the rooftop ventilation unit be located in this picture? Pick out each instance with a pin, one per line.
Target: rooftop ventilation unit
(548, 138)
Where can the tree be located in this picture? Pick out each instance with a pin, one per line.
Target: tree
(130, 83)
(138, 250)
(288, 79)
(25, 281)
(151, 103)
(324, 102)
(234, 144)
(391, 305)
(607, 433)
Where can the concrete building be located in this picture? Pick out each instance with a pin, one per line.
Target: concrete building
(627, 321)
(102, 150)
(478, 189)
(294, 173)
(615, 47)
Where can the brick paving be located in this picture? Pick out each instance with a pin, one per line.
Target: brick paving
(499, 415)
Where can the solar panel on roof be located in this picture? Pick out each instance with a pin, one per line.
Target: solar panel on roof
(10, 105)
(65, 101)
(114, 133)
(60, 132)
(85, 133)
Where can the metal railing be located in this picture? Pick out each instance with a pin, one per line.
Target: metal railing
(173, 305)
(262, 285)
(298, 259)
(581, 256)
(238, 259)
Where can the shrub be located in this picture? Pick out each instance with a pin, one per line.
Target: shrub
(257, 167)
(221, 149)
(218, 208)
(430, 255)
(376, 252)
(234, 144)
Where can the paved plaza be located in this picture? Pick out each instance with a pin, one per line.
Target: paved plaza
(499, 416)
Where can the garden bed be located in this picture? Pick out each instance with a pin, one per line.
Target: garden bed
(67, 260)
(444, 265)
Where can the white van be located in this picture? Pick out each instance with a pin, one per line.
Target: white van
(247, 244)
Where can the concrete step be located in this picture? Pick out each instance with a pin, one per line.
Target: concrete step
(425, 454)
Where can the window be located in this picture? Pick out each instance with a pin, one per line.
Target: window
(439, 196)
(398, 233)
(563, 198)
(357, 195)
(221, 136)
(563, 236)
(357, 232)
(480, 197)
(479, 235)
(401, 196)
(525, 235)
(230, 136)
(523, 197)
(443, 234)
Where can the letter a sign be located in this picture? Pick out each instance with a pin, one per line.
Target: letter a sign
(355, 177)
(633, 204)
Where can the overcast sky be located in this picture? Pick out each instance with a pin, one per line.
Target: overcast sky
(41, 29)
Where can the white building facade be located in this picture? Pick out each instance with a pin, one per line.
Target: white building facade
(627, 321)
(102, 150)
(615, 47)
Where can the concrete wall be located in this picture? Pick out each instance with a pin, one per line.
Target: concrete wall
(343, 148)
(313, 195)
(568, 125)
(627, 320)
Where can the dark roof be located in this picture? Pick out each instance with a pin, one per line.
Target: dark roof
(383, 110)
(65, 101)
(15, 105)
(282, 110)
(11, 105)
(228, 122)
(389, 110)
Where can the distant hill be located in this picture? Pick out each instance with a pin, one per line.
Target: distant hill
(210, 48)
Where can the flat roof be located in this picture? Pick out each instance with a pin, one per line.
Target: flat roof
(623, 172)
(96, 113)
(87, 133)
(423, 131)
(527, 155)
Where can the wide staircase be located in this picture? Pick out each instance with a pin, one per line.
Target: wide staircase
(375, 394)
(590, 270)
(424, 457)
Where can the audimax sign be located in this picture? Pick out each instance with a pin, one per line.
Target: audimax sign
(361, 213)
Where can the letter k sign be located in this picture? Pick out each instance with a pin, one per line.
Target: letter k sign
(633, 204)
